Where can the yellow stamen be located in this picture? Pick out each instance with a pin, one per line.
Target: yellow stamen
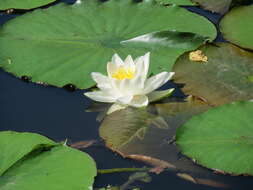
(198, 56)
(124, 73)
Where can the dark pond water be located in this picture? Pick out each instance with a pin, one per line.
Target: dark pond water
(60, 114)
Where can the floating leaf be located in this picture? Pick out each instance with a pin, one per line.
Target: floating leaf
(237, 26)
(65, 43)
(23, 4)
(223, 79)
(176, 2)
(54, 168)
(120, 131)
(221, 138)
(218, 6)
(12, 150)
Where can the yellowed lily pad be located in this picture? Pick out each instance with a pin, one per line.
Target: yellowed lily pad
(225, 77)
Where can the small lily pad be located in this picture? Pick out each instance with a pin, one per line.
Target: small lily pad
(224, 78)
(220, 138)
(23, 4)
(237, 26)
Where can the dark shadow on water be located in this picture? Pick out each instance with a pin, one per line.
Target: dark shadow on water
(213, 17)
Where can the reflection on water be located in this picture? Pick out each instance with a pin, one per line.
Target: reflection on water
(60, 114)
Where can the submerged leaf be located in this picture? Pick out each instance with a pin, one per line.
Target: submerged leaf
(221, 138)
(218, 6)
(156, 147)
(63, 44)
(120, 129)
(223, 79)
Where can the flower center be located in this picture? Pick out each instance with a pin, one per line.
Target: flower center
(124, 73)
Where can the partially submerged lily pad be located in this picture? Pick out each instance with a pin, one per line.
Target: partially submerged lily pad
(65, 43)
(226, 77)
(221, 138)
(147, 134)
(48, 165)
(237, 26)
(23, 4)
(218, 6)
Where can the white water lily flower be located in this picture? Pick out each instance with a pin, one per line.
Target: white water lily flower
(127, 83)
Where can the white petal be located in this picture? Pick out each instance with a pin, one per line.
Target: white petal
(139, 63)
(146, 59)
(124, 86)
(116, 107)
(99, 78)
(117, 60)
(103, 82)
(139, 101)
(125, 99)
(156, 81)
(100, 96)
(128, 87)
(113, 66)
(142, 65)
(139, 78)
(129, 62)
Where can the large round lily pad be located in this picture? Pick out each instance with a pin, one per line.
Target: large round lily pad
(48, 167)
(227, 75)
(65, 43)
(23, 4)
(221, 138)
(237, 26)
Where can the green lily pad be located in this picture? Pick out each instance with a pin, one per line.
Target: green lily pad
(48, 167)
(23, 4)
(221, 138)
(176, 2)
(218, 6)
(226, 77)
(148, 134)
(13, 150)
(237, 26)
(65, 43)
